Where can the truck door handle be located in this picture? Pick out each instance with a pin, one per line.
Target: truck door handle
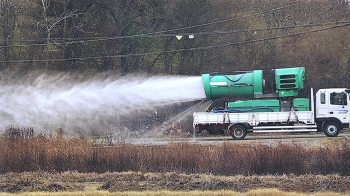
(331, 112)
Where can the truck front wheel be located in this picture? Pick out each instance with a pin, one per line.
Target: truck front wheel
(331, 129)
(238, 132)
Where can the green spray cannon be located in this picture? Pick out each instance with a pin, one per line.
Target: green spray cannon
(255, 84)
(281, 84)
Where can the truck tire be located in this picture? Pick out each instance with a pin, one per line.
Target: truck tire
(238, 132)
(331, 129)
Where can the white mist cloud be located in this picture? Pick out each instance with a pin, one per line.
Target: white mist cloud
(48, 102)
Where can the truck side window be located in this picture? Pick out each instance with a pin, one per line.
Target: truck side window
(323, 98)
(338, 99)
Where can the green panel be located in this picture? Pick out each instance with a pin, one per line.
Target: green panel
(287, 93)
(289, 81)
(301, 104)
(255, 105)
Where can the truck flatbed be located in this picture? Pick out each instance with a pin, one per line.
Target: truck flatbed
(254, 119)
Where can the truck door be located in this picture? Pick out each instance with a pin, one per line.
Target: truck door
(322, 105)
(338, 106)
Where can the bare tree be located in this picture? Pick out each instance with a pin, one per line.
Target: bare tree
(50, 23)
(7, 27)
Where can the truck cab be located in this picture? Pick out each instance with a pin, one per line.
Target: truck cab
(332, 110)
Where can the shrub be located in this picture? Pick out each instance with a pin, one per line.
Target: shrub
(72, 154)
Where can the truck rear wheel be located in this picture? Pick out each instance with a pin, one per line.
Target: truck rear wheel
(238, 132)
(331, 129)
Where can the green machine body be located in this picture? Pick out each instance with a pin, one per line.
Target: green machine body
(268, 90)
(255, 84)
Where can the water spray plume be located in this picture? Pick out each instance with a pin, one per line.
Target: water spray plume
(48, 102)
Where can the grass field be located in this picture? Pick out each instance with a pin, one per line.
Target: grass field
(258, 192)
(228, 158)
(71, 166)
(116, 182)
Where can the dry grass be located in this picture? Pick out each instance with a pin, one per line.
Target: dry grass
(62, 154)
(59, 164)
(334, 142)
(170, 181)
(258, 192)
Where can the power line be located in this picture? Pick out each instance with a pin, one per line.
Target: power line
(180, 50)
(173, 35)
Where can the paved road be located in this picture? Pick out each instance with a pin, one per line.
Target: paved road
(307, 140)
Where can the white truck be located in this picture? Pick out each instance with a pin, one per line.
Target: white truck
(327, 111)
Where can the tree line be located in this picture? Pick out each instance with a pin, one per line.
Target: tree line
(144, 36)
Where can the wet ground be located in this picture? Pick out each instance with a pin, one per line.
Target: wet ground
(305, 139)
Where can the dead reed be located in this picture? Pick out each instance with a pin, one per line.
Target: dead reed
(62, 154)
